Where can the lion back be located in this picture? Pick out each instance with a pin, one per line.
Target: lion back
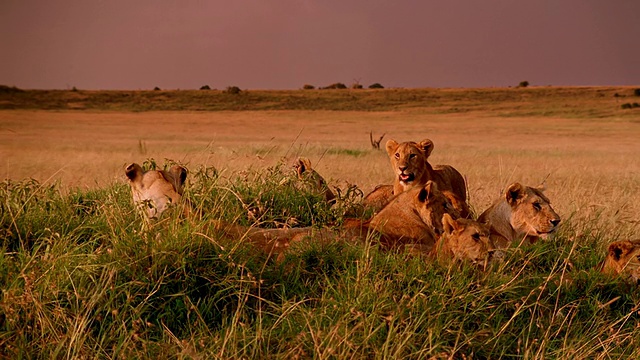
(449, 175)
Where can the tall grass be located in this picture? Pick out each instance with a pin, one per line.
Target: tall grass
(84, 275)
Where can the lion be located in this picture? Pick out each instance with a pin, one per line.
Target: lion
(411, 218)
(623, 259)
(409, 161)
(156, 190)
(305, 172)
(523, 213)
(465, 239)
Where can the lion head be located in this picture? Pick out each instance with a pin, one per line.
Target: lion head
(532, 213)
(156, 190)
(523, 212)
(414, 215)
(465, 239)
(623, 258)
(409, 161)
(305, 172)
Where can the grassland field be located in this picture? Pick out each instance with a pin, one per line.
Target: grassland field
(99, 284)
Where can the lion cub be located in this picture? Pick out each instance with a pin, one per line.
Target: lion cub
(156, 190)
(522, 213)
(623, 259)
(409, 161)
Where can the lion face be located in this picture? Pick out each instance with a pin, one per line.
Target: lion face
(532, 213)
(468, 240)
(408, 160)
(623, 258)
(156, 190)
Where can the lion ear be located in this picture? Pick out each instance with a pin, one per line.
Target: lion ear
(619, 248)
(179, 173)
(514, 193)
(426, 146)
(449, 224)
(133, 172)
(301, 165)
(427, 191)
(391, 146)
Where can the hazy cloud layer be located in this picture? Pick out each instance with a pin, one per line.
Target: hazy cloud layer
(283, 44)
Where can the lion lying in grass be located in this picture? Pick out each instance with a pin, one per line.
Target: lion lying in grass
(412, 218)
(305, 172)
(523, 213)
(623, 259)
(465, 239)
(156, 190)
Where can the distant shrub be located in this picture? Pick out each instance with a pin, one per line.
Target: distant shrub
(156, 89)
(523, 84)
(630, 105)
(205, 87)
(9, 89)
(356, 86)
(308, 87)
(376, 86)
(232, 90)
(616, 95)
(636, 92)
(336, 86)
(74, 89)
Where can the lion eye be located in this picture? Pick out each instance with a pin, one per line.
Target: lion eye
(537, 206)
(411, 156)
(476, 236)
(397, 155)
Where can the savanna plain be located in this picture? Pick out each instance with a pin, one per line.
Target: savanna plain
(84, 275)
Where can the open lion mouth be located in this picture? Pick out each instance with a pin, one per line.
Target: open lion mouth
(406, 177)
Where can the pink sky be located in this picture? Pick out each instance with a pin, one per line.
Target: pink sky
(284, 44)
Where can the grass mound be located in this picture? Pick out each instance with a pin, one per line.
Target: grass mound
(84, 275)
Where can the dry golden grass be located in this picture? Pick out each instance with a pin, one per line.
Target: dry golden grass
(69, 262)
(589, 165)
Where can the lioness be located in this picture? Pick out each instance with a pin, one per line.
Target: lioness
(465, 239)
(413, 217)
(409, 161)
(305, 172)
(156, 190)
(623, 258)
(523, 213)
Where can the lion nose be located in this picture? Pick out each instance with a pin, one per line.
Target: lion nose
(402, 168)
(555, 222)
